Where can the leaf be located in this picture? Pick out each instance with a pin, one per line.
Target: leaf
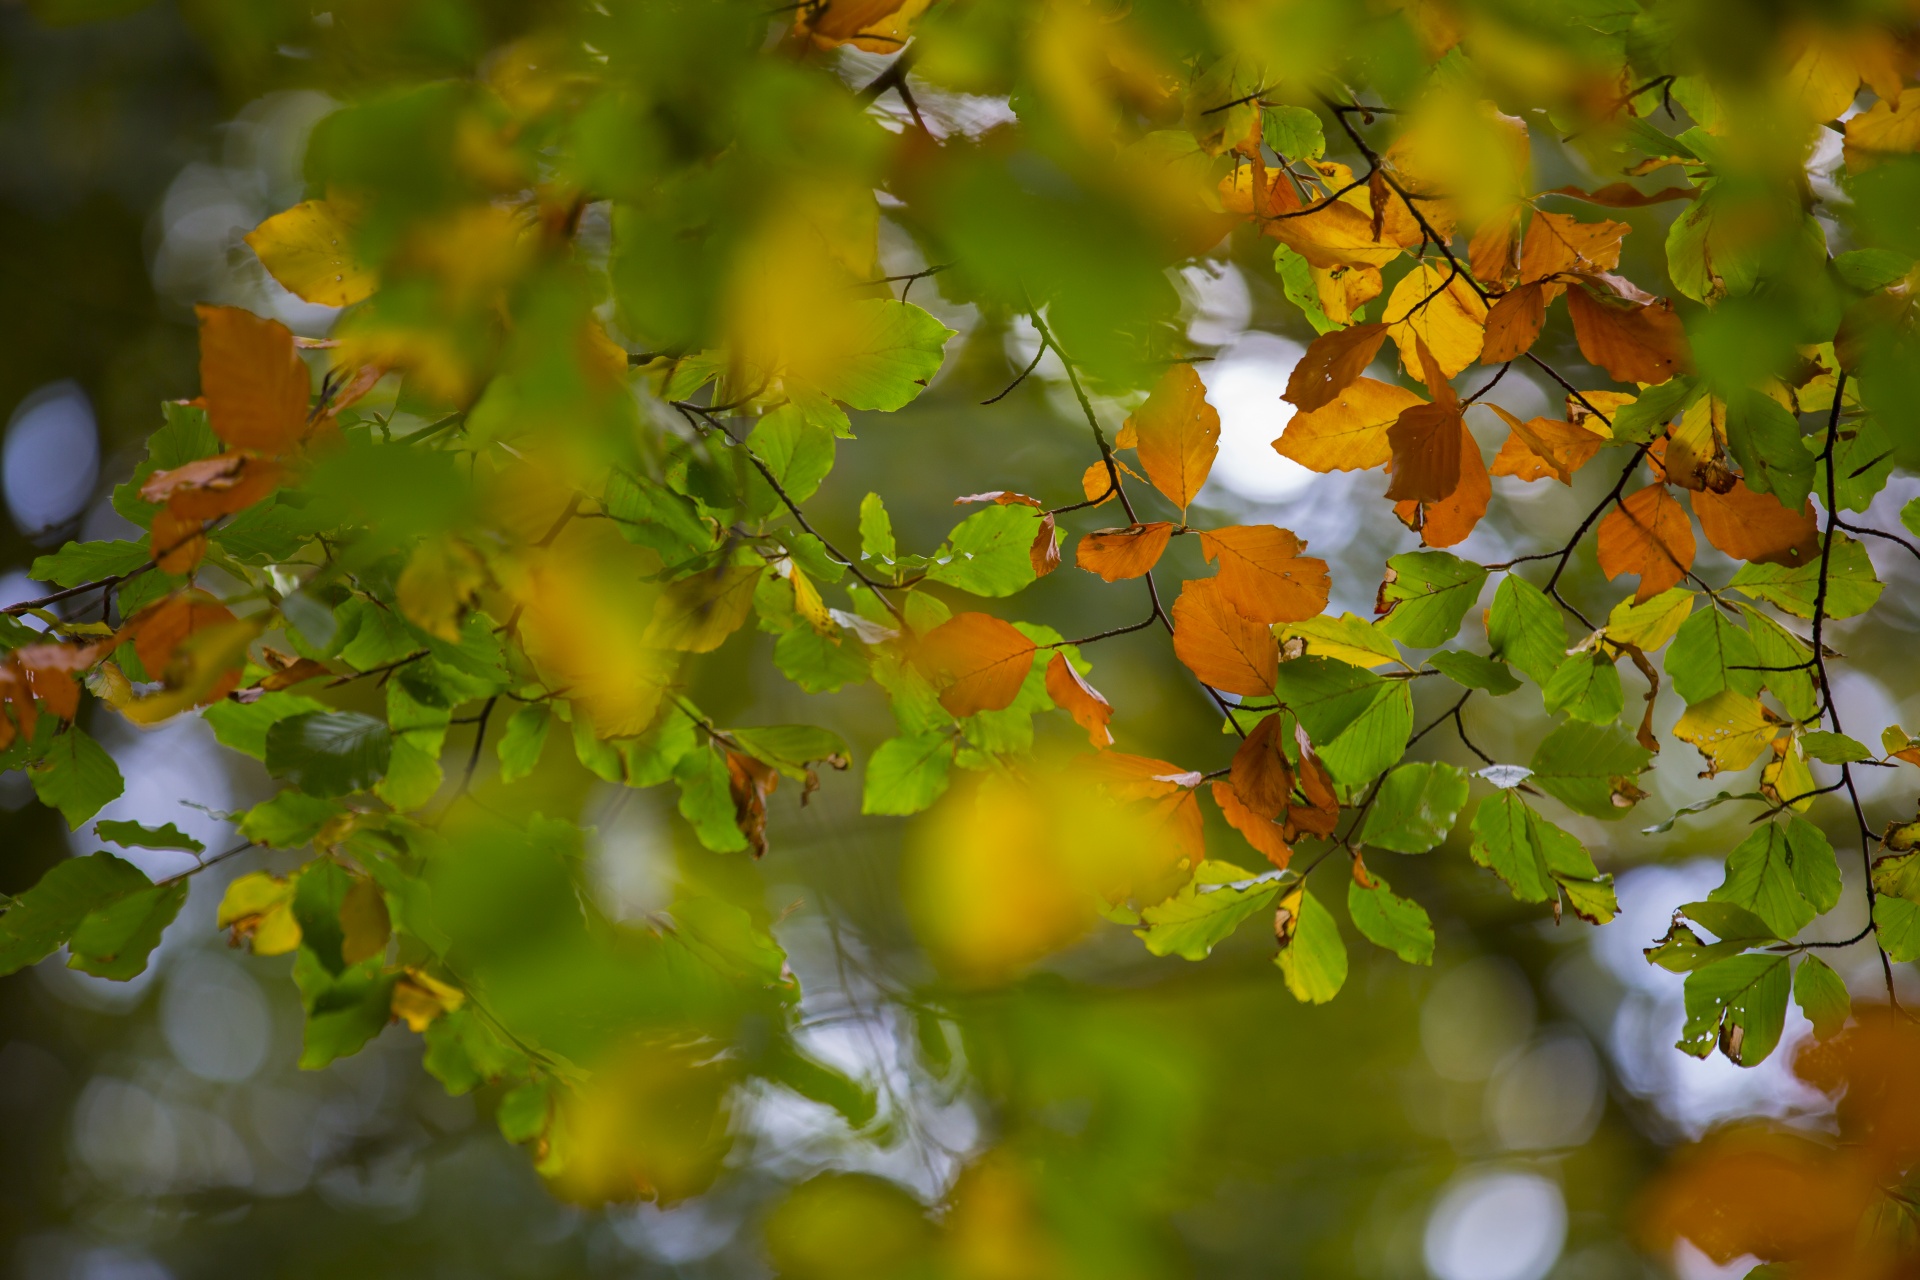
(1178, 434)
(1080, 700)
(1312, 958)
(1740, 1003)
(1390, 921)
(1785, 874)
(1426, 595)
(522, 742)
(1349, 434)
(40, 920)
(132, 835)
(1415, 807)
(1590, 768)
(1332, 362)
(1647, 415)
(1437, 306)
(1537, 860)
(1293, 132)
(1262, 833)
(1822, 996)
(79, 562)
(697, 614)
(1264, 576)
(1586, 687)
(1347, 638)
(884, 358)
(1525, 629)
(906, 775)
(1765, 440)
(1647, 533)
(1118, 554)
(1852, 587)
(115, 939)
(76, 776)
(990, 552)
(253, 381)
(1427, 442)
(1474, 671)
(1261, 776)
(1649, 625)
(876, 530)
(1755, 527)
(1514, 323)
(1635, 342)
(242, 726)
(1200, 917)
(1710, 653)
(329, 753)
(1544, 446)
(1896, 925)
(1834, 748)
(288, 820)
(309, 250)
(977, 661)
(1220, 646)
(257, 909)
(1730, 730)
(1449, 521)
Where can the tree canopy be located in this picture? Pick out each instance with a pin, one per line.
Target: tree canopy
(559, 493)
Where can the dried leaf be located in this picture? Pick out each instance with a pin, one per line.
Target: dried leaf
(1756, 527)
(1260, 774)
(1643, 343)
(1349, 434)
(1263, 574)
(978, 662)
(1331, 364)
(1072, 694)
(1427, 444)
(1514, 324)
(1648, 533)
(1217, 644)
(253, 381)
(1449, 521)
(1179, 434)
(1262, 833)
(1117, 554)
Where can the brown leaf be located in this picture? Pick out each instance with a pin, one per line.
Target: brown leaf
(999, 497)
(1426, 444)
(1331, 364)
(1543, 447)
(1632, 343)
(1263, 834)
(212, 487)
(750, 782)
(1621, 195)
(1263, 574)
(1350, 433)
(1494, 253)
(978, 661)
(1558, 243)
(50, 669)
(1217, 644)
(1756, 527)
(1045, 551)
(1116, 554)
(1260, 774)
(178, 542)
(1514, 324)
(253, 381)
(1072, 694)
(1179, 434)
(294, 671)
(1648, 533)
(1450, 520)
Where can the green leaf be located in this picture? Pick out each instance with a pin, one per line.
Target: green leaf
(1766, 872)
(817, 662)
(1374, 739)
(1390, 921)
(1474, 671)
(1741, 1002)
(1525, 630)
(652, 515)
(1862, 463)
(1293, 132)
(892, 350)
(651, 758)
(266, 533)
(329, 753)
(1647, 415)
(1586, 687)
(905, 775)
(876, 530)
(1590, 768)
(132, 835)
(1777, 648)
(1296, 280)
(1910, 516)
(1359, 722)
(288, 820)
(791, 748)
(1736, 928)
(798, 451)
(1415, 807)
(1538, 860)
(45, 916)
(1427, 593)
(524, 739)
(1870, 270)
(318, 894)
(525, 1111)
(1852, 587)
(76, 776)
(987, 553)
(1200, 917)
(1896, 922)
(814, 1080)
(115, 939)
(706, 800)
(79, 562)
(1314, 960)
(344, 1010)
(1710, 653)
(1834, 748)
(1765, 440)
(1822, 996)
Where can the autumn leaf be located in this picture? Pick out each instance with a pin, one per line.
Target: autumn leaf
(1225, 650)
(1117, 554)
(253, 381)
(1448, 521)
(208, 488)
(1131, 777)
(1436, 305)
(1350, 433)
(309, 250)
(1072, 694)
(697, 614)
(750, 782)
(1264, 576)
(1097, 482)
(1044, 554)
(1730, 730)
(877, 26)
(1331, 364)
(1514, 323)
(1260, 774)
(1756, 527)
(1427, 445)
(977, 661)
(1543, 447)
(1888, 128)
(1178, 434)
(1557, 244)
(178, 542)
(1262, 833)
(1633, 342)
(1647, 533)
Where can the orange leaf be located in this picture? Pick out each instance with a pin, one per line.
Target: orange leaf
(1127, 777)
(1217, 644)
(1648, 534)
(1331, 364)
(1621, 195)
(1176, 819)
(1263, 574)
(750, 782)
(1633, 343)
(999, 497)
(1045, 551)
(1514, 324)
(1260, 775)
(1426, 444)
(1097, 483)
(1557, 242)
(254, 382)
(211, 487)
(1179, 434)
(50, 671)
(1115, 554)
(979, 661)
(1756, 527)
(1543, 447)
(1349, 434)
(1450, 520)
(178, 543)
(1262, 833)
(1080, 700)
(1493, 254)
(158, 629)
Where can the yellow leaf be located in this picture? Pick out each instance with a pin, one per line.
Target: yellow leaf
(697, 614)
(1789, 779)
(1890, 128)
(1435, 305)
(807, 602)
(364, 926)
(258, 907)
(1351, 433)
(440, 581)
(1178, 434)
(1730, 730)
(1648, 625)
(309, 249)
(1348, 638)
(419, 998)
